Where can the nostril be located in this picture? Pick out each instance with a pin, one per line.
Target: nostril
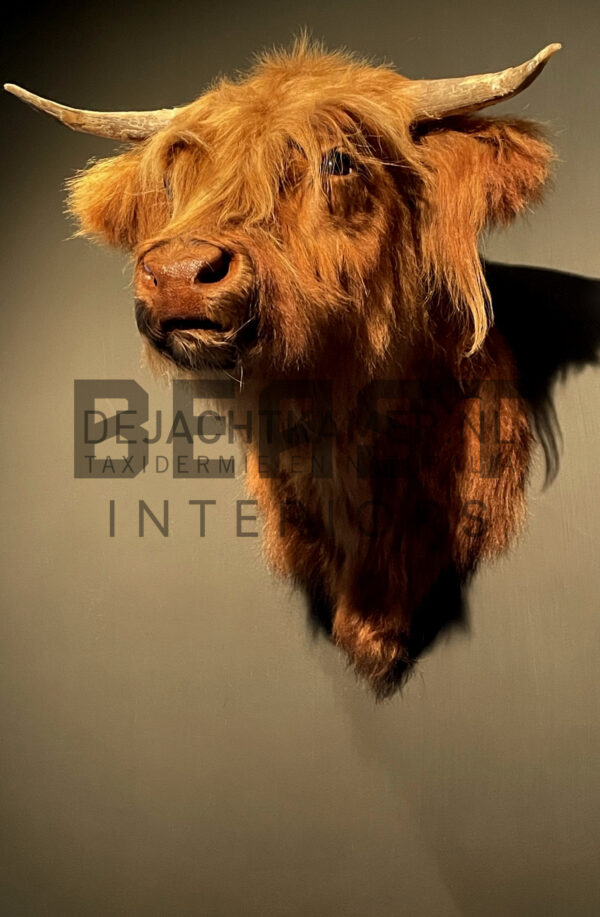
(214, 269)
(151, 274)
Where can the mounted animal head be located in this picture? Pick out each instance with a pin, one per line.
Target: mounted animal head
(320, 219)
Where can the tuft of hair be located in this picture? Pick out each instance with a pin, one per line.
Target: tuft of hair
(482, 173)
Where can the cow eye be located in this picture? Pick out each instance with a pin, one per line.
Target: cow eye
(336, 162)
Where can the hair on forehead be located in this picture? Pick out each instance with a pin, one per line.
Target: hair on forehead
(243, 133)
(305, 95)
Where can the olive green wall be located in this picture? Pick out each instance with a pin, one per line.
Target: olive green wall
(174, 742)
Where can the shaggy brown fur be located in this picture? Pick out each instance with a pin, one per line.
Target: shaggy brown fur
(373, 275)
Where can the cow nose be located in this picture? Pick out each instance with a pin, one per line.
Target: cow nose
(215, 267)
(204, 264)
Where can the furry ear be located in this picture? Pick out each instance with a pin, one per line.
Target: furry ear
(481, 173)
(105, 199)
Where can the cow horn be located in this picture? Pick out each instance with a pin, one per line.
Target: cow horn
(461, 95)
(116, 125)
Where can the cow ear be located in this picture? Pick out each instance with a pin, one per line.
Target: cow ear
(104, 200)
(480, 173)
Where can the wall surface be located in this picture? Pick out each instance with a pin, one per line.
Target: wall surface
(174, 740)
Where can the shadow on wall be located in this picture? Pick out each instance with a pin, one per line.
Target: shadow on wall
(551, 320)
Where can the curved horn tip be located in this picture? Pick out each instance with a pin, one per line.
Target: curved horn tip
(23, 94)
(548, 51)
(13, 89)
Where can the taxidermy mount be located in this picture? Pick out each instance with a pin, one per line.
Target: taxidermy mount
(315, 225)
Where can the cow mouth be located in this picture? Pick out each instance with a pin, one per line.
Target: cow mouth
(191, 324)
(194, 342)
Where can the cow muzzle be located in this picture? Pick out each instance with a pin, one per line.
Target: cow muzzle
(194, 302)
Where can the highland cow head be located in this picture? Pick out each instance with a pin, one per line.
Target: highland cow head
(320, 203)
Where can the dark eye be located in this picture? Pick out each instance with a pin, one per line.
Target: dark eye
(336, 162)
